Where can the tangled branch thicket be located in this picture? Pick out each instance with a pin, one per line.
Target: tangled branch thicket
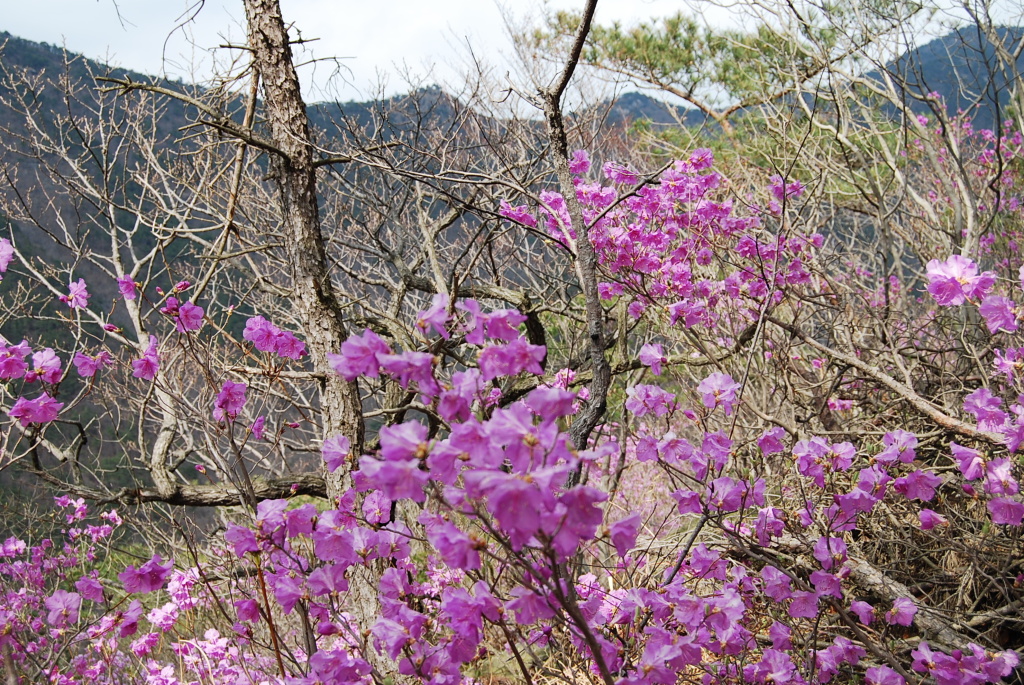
(431, 392)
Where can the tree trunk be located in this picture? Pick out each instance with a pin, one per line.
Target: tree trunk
(295, 176)
(319, 309)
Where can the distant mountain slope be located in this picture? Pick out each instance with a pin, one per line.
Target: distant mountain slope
(53, 64)
(40, 57)
(962, 67)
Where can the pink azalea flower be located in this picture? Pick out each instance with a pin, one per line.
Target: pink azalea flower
(377, 508)
(782, 190)
(148, 366)
(78, 296)
(874, 480)
(511, 359)
(776, 584)
(619, 173)
(359, 356)
(902, 612)
(830, 552)
(688, 501)
(63, 608)
(335, 451)
(1006, 511)
(127, 287)
(804, 605)
(1013, 434)
(970, 462)
(580, 162)
(499, 324)
(1000, 313)
(899, 445)
(999, 478)
(649, 399)
(883, 675)
(651, 355)
(130, 618)
(6, 254)
(985, 408)
(919, 484)
(42, 409)
(289, 346)
(144, 645)
(396, 479)
(812, 458)
(147, 578)
(770, 441)
(404, 441)
(719, 390)
(258, 427)
(458, 549)
(410, 366)
(90, 588)
(87, 366)
(247, 610)
(261, 333)
(12, 360)
(190, 318)
(230, 401)
(163, 617)
(930, 519)
(519, 213)
(770, 523)
(956, 280)
(45, 367)
(171, 306)
(241, 539)
(435, 317)
(863, 611)
(623, 534)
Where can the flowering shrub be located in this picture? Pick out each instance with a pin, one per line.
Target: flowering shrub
(63, 622)
(704, 535)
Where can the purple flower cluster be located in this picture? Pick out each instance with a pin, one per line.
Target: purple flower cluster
(735, 562)
(266, 337)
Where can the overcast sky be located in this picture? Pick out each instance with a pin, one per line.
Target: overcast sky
(377, 37)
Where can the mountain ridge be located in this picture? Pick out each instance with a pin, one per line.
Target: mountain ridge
(953, 65)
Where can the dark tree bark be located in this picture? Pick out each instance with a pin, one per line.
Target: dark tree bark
(294, 172)
(586, 258)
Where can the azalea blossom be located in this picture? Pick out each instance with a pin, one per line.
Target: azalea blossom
(719, 390)
(63, 608)
(957, 280)
(127, 286)
(435, 317)
(78, 295)
(148, 366)
(230, 401)
(189, 318)
(6, 254)
(148, 577)
(580, 162)
(45, 367)
(87, 366)
(1000, 313)
(42, 409)
(651, 355)
(930, 519)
